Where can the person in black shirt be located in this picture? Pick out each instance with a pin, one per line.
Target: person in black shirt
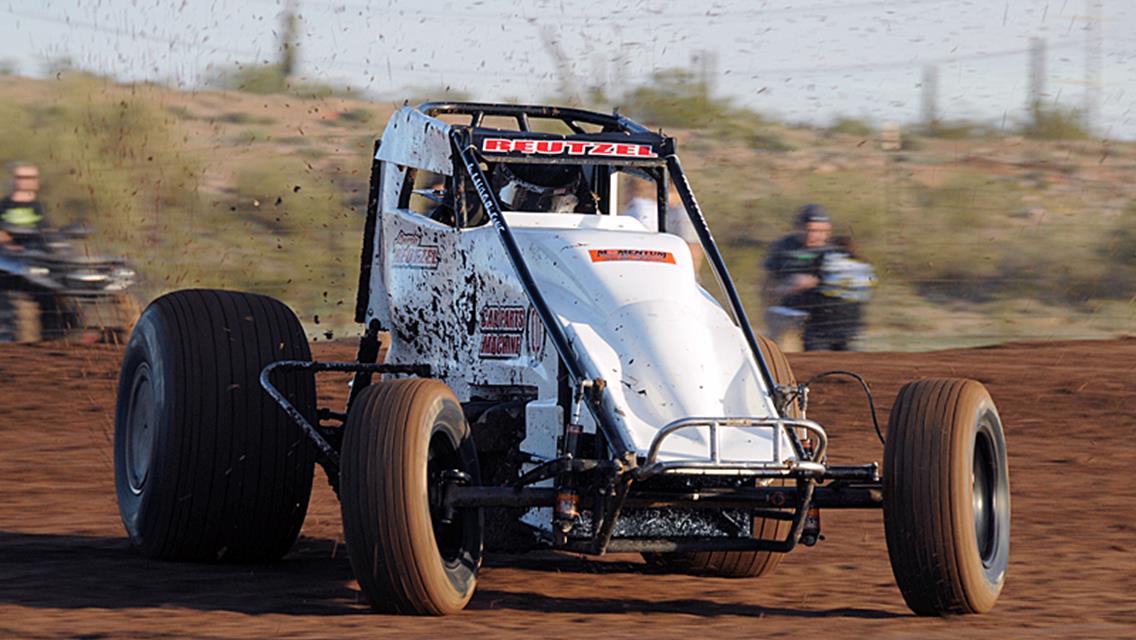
(794, 265)
(21, 214)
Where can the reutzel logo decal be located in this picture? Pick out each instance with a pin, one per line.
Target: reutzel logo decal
(504, 330)
(410, 252)
(631, 255)
(568, 147)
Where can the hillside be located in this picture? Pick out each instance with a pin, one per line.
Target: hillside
(976, 240)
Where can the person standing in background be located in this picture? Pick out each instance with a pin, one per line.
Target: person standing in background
(846, 284)
(21, 214)
(678, 223)
(641, 203)
(794, 268)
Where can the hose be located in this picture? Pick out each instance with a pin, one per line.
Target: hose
(867, 392)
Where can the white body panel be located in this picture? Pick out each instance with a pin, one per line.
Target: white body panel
(413, 139)
(665, 347)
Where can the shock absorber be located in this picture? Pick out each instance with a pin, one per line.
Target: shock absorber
(566, 510)
(810, 534)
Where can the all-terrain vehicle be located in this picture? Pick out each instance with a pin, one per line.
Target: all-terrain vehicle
(49, 289)
(555, 378)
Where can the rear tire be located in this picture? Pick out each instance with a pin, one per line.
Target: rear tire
(207, 466)
(741, 564)
(947, 497)
(20, 318)
(400, 435)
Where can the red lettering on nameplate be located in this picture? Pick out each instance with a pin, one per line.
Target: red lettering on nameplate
(500, 345)
(569, 147)
(631, 255)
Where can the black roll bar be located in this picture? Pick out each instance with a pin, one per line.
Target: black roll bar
(522, 112)
(463, 149)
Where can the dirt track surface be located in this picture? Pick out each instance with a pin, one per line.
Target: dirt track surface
(66, 568)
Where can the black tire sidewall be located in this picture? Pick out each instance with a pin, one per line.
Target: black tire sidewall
(146, 347)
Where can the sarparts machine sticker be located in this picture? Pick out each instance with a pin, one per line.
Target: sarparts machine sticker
(631, 255)
(508, 330)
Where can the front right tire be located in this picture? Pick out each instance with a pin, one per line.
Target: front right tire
(947, 497)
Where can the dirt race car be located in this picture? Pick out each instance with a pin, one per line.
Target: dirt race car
(555, 378)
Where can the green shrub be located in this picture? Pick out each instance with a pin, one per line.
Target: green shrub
(955, 130)
(241, 117)
(852, 127)
(675, 98)
(1055, 123)
(270, 79)
(356, 115)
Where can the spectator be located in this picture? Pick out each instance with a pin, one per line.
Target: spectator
(796, 266)
(641, 203)
(21, 214)
(678, 223)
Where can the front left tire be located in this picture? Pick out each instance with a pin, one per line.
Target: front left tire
(207, 466)
(403, 439)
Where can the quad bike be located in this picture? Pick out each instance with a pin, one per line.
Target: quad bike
(50, 290)
(555, 379)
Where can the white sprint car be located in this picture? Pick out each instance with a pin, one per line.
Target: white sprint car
(556, 378)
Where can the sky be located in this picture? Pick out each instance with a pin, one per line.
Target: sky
(803, 61)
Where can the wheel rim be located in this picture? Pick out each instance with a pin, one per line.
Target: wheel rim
(985, 481)
(140, 429)
(443, 456)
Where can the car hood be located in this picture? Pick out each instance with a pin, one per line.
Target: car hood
(636, 316)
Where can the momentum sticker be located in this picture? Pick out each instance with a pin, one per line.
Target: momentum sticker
(631, 255)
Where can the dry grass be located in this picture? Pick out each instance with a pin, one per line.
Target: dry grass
(975, 239)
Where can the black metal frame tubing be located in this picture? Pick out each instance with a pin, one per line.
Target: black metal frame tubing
(329, 456)
(522, 112)
(463, 150)
(767, 501)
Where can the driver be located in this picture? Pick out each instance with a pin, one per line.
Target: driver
(541, 188)
(20, 210)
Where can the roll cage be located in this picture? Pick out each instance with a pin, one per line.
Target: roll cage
(598, 140)
(613, 141)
